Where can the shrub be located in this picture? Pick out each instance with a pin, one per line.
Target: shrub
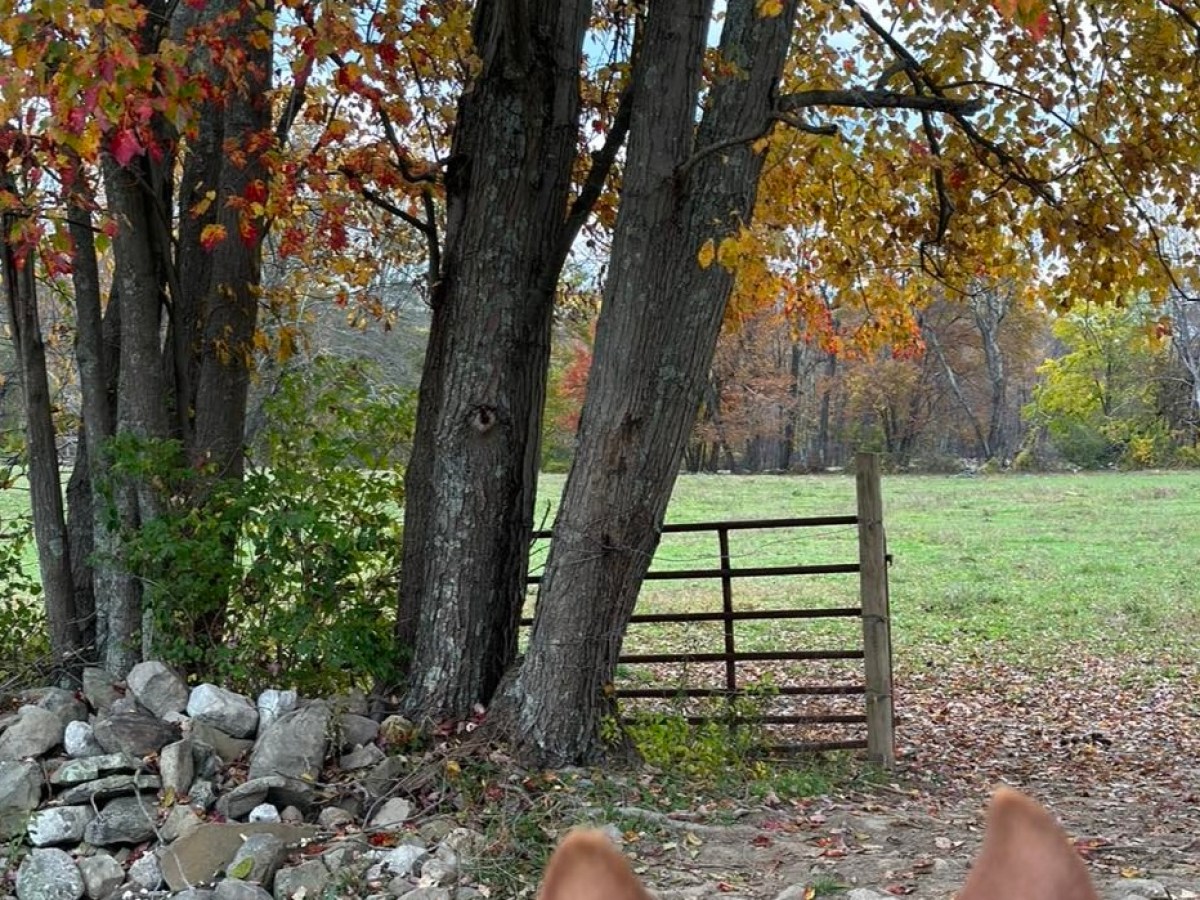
(23, 639)
(290, 573)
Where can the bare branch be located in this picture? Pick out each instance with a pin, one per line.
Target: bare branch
(602, 163)
(376, 199)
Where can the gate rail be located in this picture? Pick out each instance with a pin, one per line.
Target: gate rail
(876, 686)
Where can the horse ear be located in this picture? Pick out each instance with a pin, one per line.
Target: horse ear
(1025, 856)
(586, 866)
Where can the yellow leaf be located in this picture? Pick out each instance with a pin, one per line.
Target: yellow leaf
(768, 9)
(708, 252)
(729, 251)
(200, 207)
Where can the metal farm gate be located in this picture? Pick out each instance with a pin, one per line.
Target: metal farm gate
(870, 692)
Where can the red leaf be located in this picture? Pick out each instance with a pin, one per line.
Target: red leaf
(124, 147)
(256, 191)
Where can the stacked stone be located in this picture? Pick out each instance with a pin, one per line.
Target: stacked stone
(149, 788)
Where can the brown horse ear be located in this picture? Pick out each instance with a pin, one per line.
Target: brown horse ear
(1025, 856)
(586, 866)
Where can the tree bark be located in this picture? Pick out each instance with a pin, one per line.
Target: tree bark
(141, 395)
(45, 482)
(218, 290)
(96, 354)
(470, 485)
(654, 345)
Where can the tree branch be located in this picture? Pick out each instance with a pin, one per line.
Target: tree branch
(870, 98)
(377, 199)
(602, 163)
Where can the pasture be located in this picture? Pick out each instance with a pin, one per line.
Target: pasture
(1024, 564)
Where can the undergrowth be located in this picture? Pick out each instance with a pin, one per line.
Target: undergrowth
(707, 771)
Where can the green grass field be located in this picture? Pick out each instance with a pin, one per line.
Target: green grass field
(1026, 564)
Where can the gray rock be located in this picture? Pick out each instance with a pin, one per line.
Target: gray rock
(230, 712)
(435, 830)
(99, 688)
(226, 747)
(177, 767)
(1145, 888)
(360, 758)
(394, 811)
(134, 733)
(344, 854)
(403, 860)
(294, 745)
(333, 817)
(203, 795)
(34, 732)
(309, 879)
(356, 730)
(101, 875)
(146, 872)
(232, 889)
(180, 820)
(865, 894)
(79, 740)
(258, 859)
(62, 703)
(272, 704)
(125, 820)
(59, 825)
(111, 786)
(290, 814)
(439, 872)
(463, 846)
(158, 688)
(384, 776)
(49, 874)
(78, 771)
(20, 792)
(201, 855)
(193, 894)
(398, 887)
(264, 812)
(274, 788)
(429, 893)
(20, 785)
(124, 705)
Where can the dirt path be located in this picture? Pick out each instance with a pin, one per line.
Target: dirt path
(1111, 746)
(904, 846)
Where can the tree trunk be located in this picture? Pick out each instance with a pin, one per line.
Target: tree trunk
(982, 444)
(654, 345)
(210, 350)
(97, 355)
(141, 396)
(471, 482)
(45, 482)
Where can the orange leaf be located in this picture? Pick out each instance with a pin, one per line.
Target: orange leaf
(211, 235)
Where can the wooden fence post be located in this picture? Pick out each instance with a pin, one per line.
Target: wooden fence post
(876, 621)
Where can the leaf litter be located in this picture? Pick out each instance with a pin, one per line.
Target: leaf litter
(1110, 743)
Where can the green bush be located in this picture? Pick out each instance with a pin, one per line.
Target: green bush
(23, 638)
(290, 575)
